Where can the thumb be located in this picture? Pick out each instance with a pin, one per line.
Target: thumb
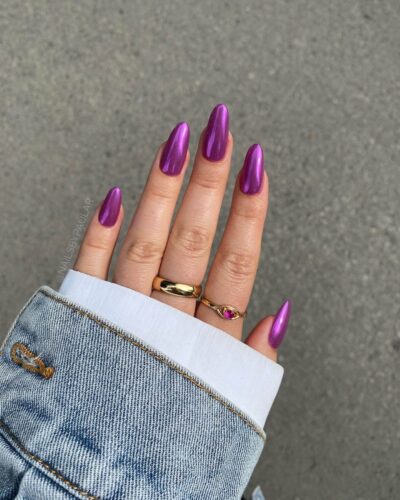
(268, 334)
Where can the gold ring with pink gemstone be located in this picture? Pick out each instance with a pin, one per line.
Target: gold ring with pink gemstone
(223, 310)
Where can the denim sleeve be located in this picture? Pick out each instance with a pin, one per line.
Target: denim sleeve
(89, 410)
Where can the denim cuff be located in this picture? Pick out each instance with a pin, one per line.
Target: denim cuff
(248, 379)
(99, 413)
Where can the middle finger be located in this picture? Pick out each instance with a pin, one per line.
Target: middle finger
(188, 248)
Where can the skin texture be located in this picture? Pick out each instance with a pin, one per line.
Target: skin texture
(181, 253)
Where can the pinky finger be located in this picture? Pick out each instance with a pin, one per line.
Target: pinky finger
(98, 244)
(267, 336)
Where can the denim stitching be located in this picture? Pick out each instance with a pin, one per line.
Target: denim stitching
(159, 357)
(25, 451)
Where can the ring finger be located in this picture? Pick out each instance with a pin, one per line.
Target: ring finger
(233, 271)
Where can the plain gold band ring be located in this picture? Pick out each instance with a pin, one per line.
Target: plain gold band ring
(180, 289)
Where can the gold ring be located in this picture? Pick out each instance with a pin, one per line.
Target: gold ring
(225, 311)
(172, 288)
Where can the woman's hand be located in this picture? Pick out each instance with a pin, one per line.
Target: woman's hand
(181, 253)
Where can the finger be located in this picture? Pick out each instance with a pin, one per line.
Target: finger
(98, 244)
(268, 335)
(143, 247)
(258, 338)
(188, 249)
(233, 271)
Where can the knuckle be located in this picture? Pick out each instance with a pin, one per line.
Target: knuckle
(207, 181)
(141, 251)
(250, 212)
(237, 266)
(97, 244)
(194, 241)
(159, 192)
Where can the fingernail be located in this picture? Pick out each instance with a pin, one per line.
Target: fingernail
(252, 174)
(175, 150)
(110, 207)
(280, 325)
(216, 134)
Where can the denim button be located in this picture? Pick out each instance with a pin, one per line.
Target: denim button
(24, 357)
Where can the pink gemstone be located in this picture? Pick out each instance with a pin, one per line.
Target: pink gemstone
(228, 314)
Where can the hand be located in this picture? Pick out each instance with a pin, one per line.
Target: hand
(181, 254)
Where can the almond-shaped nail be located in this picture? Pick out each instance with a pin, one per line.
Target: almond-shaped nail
(252, 174)
(110, 207)
(216, 134)
(280, 325)
(175, 150)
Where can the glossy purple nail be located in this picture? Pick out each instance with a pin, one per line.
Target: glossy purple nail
(252, 174)
(280, 325)
(216, 134)
(110, 207)
(175, 150)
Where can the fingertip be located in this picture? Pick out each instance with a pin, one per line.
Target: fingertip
(225, 159)
(174, 153)
(110, 208)
(230, 143)
(101, 235)
(258, 338)
(280, 325)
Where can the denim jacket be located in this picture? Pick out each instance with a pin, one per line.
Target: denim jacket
(100, 403)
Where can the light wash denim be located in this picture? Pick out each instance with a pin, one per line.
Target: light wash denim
(90, 411)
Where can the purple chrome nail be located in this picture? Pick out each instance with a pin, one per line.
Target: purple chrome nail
(280, 325)
(253, 170)
(110, 207)
(216, 134)
(175, 150)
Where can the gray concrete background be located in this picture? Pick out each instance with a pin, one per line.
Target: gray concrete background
(89, 89)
